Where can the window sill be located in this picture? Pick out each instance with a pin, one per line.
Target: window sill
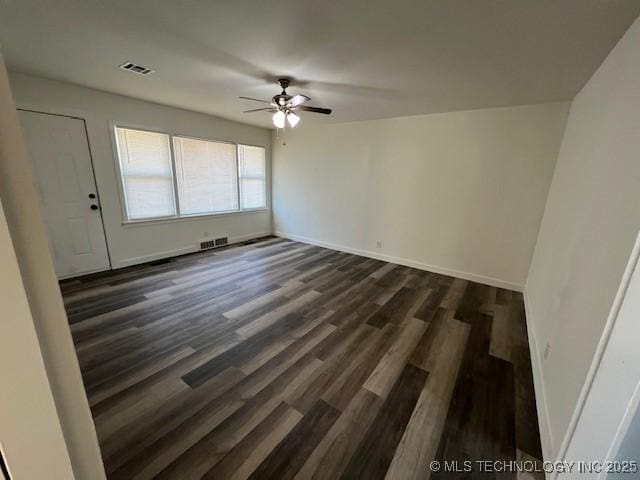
(207, 216)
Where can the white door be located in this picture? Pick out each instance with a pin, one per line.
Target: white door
(62, 162)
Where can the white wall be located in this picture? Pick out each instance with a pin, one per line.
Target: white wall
(29, 422)
(590, 223)
(29, 425)
(460, 193)
(130, 244)
(606, 412)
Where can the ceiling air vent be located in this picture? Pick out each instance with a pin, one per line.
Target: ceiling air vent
(135, 68)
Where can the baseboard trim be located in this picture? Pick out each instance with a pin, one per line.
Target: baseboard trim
(249, 236)
(74, 275)
(493, 282)
(127, 262)
(544, 425)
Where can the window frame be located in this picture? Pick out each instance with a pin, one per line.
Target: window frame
(126, 221)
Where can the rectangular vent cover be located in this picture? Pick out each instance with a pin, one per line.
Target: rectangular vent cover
(217, 242)
(141, 69)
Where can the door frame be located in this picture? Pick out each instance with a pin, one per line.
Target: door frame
(95, 185)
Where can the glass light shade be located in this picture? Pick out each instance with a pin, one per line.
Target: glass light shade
(278, 119)
(293, 119)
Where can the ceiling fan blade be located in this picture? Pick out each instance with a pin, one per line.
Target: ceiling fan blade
(298, 100)
(255, 99)
(260, 110)
(326, 111)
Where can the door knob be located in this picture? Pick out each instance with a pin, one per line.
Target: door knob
(94, 207)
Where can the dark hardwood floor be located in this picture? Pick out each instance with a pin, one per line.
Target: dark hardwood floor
(280, 360)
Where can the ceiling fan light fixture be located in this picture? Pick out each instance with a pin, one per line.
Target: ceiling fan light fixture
(283, 106)
(278, 119)
(293, 119)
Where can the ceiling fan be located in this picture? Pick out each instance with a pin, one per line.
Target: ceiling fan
(284, 106)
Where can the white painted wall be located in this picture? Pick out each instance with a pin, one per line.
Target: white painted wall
(605, 414)
(460, 193)
(33, 420)
(29, 424)
(590, 223)
(130, 244)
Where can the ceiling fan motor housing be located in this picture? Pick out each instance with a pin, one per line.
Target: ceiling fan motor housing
(282, 99)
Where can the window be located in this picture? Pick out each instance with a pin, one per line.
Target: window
(252, 176)
(210, 177)
(207, 176)
(147, 176)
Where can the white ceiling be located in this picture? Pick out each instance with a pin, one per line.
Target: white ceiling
(366, 59)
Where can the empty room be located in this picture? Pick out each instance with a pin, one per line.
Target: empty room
(319, 240)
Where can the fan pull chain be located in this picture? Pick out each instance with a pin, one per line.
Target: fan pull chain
(283, 135)
(278, 135)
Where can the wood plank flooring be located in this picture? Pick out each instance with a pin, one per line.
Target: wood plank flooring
(281, 360)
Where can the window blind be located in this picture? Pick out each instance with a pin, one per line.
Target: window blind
(206, 174)
(252, 174)
(147, 175)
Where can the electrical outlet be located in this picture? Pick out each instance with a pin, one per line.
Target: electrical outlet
(546, 351)
(379, 244)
